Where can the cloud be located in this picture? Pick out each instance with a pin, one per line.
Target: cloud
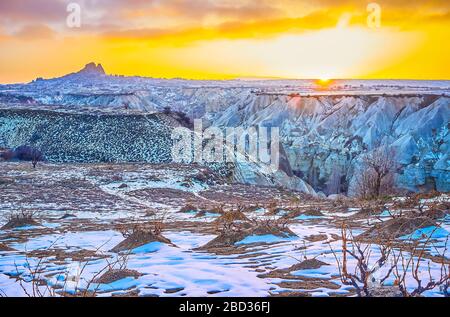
(35, 32)
(32, 10)
(201, 20)
(229, 30)
(200, 9)
(181, 21)
(3, 35)
(388, 4)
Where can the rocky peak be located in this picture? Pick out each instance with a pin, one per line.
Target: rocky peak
(92, 69)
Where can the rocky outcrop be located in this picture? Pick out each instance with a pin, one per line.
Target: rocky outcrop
(91, 68)
(76, 137)
(323, 136)
(73, 136)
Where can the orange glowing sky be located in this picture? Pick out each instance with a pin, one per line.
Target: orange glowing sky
(221, 39)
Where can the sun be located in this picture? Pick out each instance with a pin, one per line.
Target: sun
(323, 82)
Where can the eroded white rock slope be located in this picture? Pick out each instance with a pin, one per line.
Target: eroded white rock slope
(324, 129)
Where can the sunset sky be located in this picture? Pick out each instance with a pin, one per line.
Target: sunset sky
(223, 39)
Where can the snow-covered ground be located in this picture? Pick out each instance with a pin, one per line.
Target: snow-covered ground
(191, 273)
(65, 255)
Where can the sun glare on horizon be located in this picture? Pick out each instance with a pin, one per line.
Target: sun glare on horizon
(324, 80)
(323, 83)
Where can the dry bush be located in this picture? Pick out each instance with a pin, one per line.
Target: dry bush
(373, 208)
(413, 204)
(141, 233)
(400, 265)
(410, 264)
(155, 225)
(20, 219)
(277, 227)
(341, 201)
(230, 221)
(375, 177)
(36, 279)
(417, 205)
(428, 195)
(234, 221)
(158, 223)
(232, 231)
(272, 207)
(408, 202)
(24, 153)
(36, 276)
(433, 210)
(36, 156)
(246, 208)
(188, 207)
(138, 236)
(361, 277)
(220, 209)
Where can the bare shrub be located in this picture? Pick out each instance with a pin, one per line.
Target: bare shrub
(36, 156)
(418, 205)
(20, 219)
(370, 209)
(272, 207)
(429, 195)
(188, 207)
(410, 264)
(228, 218)
(140, 234)
(24, 153)
(375, 176)
(278, 227)
(404, 263)
(36, 277)
(232, 228)
(230, 221)
(361, 277)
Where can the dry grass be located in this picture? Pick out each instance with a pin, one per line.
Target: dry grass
(20, 219)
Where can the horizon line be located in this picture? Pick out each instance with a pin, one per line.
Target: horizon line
(230, 78)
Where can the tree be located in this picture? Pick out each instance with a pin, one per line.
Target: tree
(36, 156)
(28, 153)
(376, 174)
